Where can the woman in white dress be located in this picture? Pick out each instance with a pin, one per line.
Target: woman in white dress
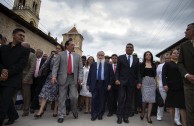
(84, 91)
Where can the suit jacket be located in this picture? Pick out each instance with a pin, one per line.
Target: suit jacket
(92, 76)
(186, 59)
(14, 59)
(61, 66)
(127, 75)
(28, 71)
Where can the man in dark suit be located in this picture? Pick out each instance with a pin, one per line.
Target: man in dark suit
(113, 92)
(99, 81)
(13, 59)
(127, 75)
(38, 81)
(186, 66)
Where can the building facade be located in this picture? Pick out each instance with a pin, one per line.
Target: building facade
(28, 9)
(77, 39)
(37, 39)
(167, 51)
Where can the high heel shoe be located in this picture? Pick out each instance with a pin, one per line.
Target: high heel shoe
(54, 115)
(141, 117)
(149, 121)
(38, 116)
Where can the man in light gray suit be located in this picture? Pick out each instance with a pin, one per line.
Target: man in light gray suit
(27, 77)
(67, 72)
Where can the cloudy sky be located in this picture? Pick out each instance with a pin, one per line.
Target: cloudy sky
(109, 25)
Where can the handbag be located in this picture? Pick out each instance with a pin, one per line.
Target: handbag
(159, 99)
(45, 69)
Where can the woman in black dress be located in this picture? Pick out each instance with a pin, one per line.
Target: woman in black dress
(173, 84)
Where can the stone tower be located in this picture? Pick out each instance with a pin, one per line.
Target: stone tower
(28, 9)
(77, 39)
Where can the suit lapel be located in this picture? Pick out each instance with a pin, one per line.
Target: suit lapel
(125, 60)
(66, 57)
(74, 59)
(134, 60)
(105, 69)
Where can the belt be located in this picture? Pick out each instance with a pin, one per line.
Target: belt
(99, 81)
(71, 74)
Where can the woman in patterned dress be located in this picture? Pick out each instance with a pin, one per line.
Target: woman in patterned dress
(49, 91)
(148, 74)
(84, 91)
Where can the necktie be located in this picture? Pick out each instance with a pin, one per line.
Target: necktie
(69, 64)
(99, 71)
(129, 60)
(115, 68)
(37, 68)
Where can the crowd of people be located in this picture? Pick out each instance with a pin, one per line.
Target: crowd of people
(120, 84)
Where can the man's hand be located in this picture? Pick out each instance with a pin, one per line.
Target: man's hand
(80, 82)
(139, 86)
(117, 82)
(190, 78)
(166, 88)
(54, 80)
(88, 88)
(4, 72)
(4, 75)
(109, 87)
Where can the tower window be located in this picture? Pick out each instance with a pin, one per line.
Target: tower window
(34, 6)
(21, 4)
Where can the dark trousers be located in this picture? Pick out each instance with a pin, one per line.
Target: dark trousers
(6, 103)
(133, 100)
(98, 99)
(112, 100)
(36, 88)
(189, 102)
(124, 101)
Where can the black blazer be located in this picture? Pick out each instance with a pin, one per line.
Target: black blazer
(186, 60)
(108, 76)
(127, 75)
(14, 59)
(171, 76)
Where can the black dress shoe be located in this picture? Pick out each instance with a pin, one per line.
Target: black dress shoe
(1, 122)
(110, 114)
(99, 117)
(60, 120)
(126, 120)
(9, 122)
(93, 118)
(54, 115)
(119, 120)
(75, 115)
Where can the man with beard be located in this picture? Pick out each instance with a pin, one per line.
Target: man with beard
(99, 81)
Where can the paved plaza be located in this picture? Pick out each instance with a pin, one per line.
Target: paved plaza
(84, 120)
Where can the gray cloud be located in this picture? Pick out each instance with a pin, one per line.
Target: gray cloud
(110, 24)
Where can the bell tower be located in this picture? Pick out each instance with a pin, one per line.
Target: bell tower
(77, 39)
(28, 9)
